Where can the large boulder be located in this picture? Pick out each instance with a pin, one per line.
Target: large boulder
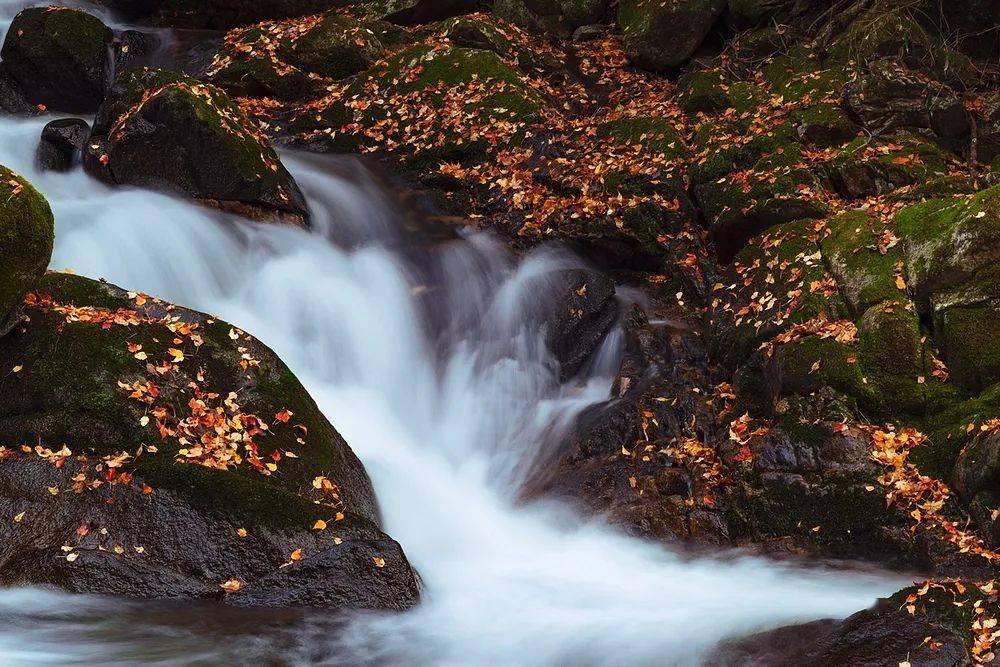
(884, 635)
(26, 235)
(59, 57)
(170, 455)
(557, 17)
(290, 61)
(166, 131)
(661, 35)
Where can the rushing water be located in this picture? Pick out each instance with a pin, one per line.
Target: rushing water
(430, 363)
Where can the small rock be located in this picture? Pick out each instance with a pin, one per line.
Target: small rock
(61, 144)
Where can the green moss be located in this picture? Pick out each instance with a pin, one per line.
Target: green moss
(338, 47)
(26, 239)
(949, 240)
(78, 32)
(746, 97)
(864, 274)
(858, 171)
(970, 341)
(948, 431)
(891, 358)
(655, 135)
(824, 125)
(723, 149)
(703, 91)
(770, 194)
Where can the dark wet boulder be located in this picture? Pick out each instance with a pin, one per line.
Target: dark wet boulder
(662, 35)
(26, 237)
(169, 132)
(59, 57)
(586, 310)
(133, 48)
(290, 61)
(419, 12)
(174, 456)
(555, 17)
(889, 96)
(61, 144)
(13, 99)
(882, 636)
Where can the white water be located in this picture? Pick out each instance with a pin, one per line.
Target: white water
(446, 415)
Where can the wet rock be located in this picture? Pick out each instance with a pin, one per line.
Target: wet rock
(128, 508)
(190, 138)
(658, 35)
(133, 48)
(62, 144)
(13, 100)
(418, 12)
(555, 17)
(884, 635)
(59, 57)
(586, 310)
(890, 96)
(26, 237)
(861, 169)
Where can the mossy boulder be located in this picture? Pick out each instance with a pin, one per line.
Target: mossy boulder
(703, 91)
(170, 132)
(661, 35)
(887, 96)
(26, 236)
(776, 190)
(291, 61)
(778, 280)
(724, 147)
(474, 89)
(824, 125)
(337, 47)
(862, 261)
(554, 17)
(59, 57)
(864, 168)
(131, 471)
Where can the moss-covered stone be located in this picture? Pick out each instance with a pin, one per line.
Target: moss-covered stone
(824, 125)
(724, 147)
(703, 91)
(60, 57)
(217, 155)
(497, 97)
(969, 336)
(658, 35)
(776, 190)
(863, 264)
(337, 47)
(948, 241)
(863, 168)
(26, 237)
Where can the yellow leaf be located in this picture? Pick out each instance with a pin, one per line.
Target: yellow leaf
(231, 585)
(319, 525)
(379, 561)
